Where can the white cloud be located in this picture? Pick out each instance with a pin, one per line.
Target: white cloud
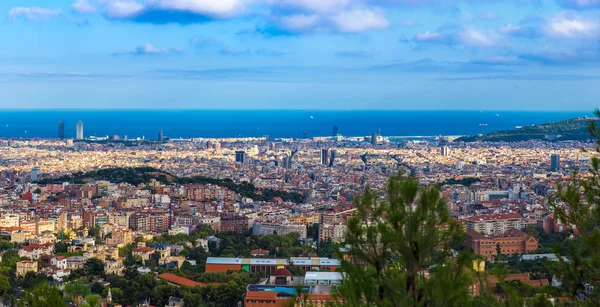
(360, 20)
(571, 26)
(300, 22)
(123, 9)
(315, 6)
(509, 29)
(213, 8)
(579, 4)
(33, 13)
(429, 36)
(83, 6)
(475, 38)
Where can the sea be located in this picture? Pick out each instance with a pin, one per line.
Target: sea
(272, 123)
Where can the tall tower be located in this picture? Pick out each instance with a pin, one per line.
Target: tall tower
(325, 156)
(555, 162)
(374, 139)
(240, 156)
(79, 131)
(444, 151)
(336, 130)
(61, 129)
(161, 137)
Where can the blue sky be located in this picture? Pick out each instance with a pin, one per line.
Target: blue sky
(300, 54)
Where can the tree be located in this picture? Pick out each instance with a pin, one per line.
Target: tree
(578, 204)
(400, 250)
(94, 267)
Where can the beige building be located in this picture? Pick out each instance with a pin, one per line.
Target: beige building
(43, 225)
(23, 267)
(20, 236)
(259, 228)
(495, 223)
(335, 232)
(120, 237)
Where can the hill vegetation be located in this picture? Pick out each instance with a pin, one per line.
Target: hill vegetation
(143, 175)
(570, 129)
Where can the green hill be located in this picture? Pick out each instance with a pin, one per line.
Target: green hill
(143, 175)
(570, 129)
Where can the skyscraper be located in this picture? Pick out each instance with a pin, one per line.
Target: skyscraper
(374, 139)
(35, 173)
(555, 162)
(160, 136)
(444, 151)
(240, 156)
(325, 156)
(304, 134)
(336, 130)
(79, 131)
(61, 129)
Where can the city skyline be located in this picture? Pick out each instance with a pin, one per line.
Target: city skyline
(260, 54)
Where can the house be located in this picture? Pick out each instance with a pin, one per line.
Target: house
(35, 251)
(174, 302)
(76, 262)
(143, 252)
(59, 262)
(24, 267)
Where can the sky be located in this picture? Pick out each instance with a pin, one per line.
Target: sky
(300, 54)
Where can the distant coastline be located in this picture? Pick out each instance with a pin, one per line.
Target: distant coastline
(274, 124)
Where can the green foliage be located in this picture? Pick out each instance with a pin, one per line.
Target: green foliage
(94, 267)
(570, 129)
(143, 175)
(44, 295)
(577, 204)
(468, 181)
(394, 242)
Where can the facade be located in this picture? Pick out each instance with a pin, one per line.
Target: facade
(61, 129)
(237, 224)
(240, 156)
(35, 173)
(325, 156)
(259, 228)
(495, 223)
(79, 130)
(335, 232)
(24, 267)
(555, 163)
(512, 242)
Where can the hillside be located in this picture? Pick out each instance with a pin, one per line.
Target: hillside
(143, 175)
(570, 129)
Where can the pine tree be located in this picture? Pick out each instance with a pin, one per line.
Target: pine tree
(399, 250)
(577, 204)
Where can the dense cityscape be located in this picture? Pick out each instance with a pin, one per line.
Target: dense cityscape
(249, 221)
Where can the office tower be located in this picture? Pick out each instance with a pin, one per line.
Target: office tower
(374, 139)
(61, 129)
(304, 135)
(332, 158)
(444, 151)
(79, 132)
(459, 165)
(160, 136)
(336, 130)
(35, 173)
(240, 156)
(555, 162)
(325, 156)
(379, 131)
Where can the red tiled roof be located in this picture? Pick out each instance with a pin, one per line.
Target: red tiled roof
(180, 281)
